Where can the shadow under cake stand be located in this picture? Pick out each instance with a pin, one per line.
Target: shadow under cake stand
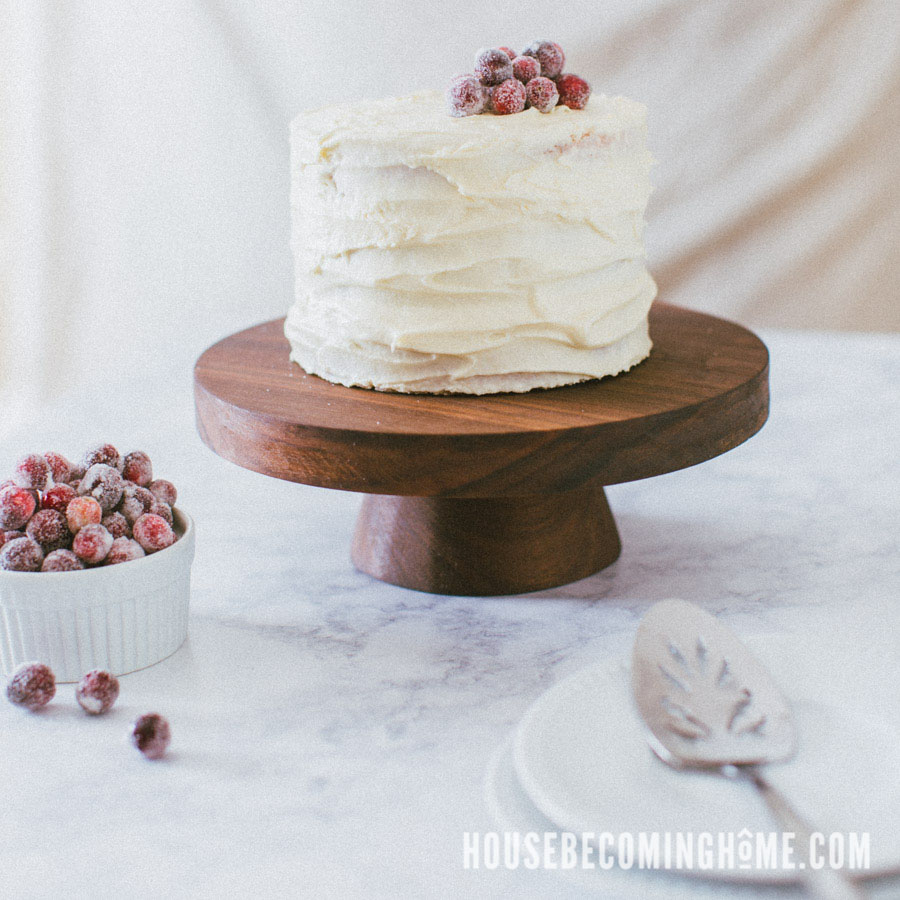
(499, 494)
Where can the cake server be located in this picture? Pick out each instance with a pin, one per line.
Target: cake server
(710, 704)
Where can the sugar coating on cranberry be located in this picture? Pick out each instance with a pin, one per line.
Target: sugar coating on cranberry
(492, 66)
(57, 497)
(32, 685)
(542, 94)
(164, 511)
(153, 533)
(61, 561)
(123, 550)
(97, 691)
(83, 511)
(117, 525)
(163, 490)
(105, 454)
(21, 555)
(32, 472)
(573, 91)
(135, 502)
(549, 54)
(137, 467)
(17, 506)
(508, 98)
(91, 544)
(465, 96)
(104, 484)
(151, 735)
(525, 68)
(49, 529)
(60, 467)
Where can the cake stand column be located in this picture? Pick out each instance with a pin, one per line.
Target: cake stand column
(483, 547)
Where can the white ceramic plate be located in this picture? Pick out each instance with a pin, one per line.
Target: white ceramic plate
(581, 757)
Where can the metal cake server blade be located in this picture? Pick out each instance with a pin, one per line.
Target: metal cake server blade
(710, 704)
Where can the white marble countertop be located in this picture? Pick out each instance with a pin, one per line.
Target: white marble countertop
(331, 733)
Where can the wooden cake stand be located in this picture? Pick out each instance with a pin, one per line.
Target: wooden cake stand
(499, 494)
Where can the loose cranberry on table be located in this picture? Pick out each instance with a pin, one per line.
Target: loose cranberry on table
(153, 533)
(83, 511)
(549, 54)
(61, 561)
(21, 555)
(17, 506)
(97, 691)
(91, 544)
(151, 735)
(32, 685)
(493, 66)
(573, 91)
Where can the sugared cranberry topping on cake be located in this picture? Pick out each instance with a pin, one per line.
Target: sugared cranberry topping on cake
(17, 506)
(123, 550)
(32, 472)
(493, 66)
(58, 497)
(21, 555)
(105, 454)
(151, 734)
(32, 685)
(573, 91)
(138, 468)
(104, 484)
(508, 98)
(91, 544)
(466, 96)
(549, 55)
(153, 532)
(525, 68)
(49, 528)
(61, 561)
(83, 511)
(542, 94)
(97, 691)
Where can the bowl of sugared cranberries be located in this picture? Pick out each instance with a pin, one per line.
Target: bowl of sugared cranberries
(95, 564)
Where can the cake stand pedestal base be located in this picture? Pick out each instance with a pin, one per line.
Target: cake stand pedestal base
(485, 546)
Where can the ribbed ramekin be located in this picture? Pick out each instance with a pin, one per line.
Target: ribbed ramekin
(120, 618)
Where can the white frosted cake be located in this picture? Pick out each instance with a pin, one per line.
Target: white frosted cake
(472, 255)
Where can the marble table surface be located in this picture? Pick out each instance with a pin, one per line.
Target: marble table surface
(331, 733)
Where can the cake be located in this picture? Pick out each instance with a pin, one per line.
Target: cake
(473, 254)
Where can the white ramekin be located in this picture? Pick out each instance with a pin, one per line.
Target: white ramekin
(120, 618)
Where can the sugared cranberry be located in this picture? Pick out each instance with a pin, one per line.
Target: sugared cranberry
(510, 53)
(137, 468)
(21, 555)
(549, 55)
(91, 544)
(123, 550)
(83, 511)
(525, 68)
(105, 454)
(151, 735)
(97, 691)
(542, 94)
(466, 96)
(164, 490)
(17, 506)
(164, 511)
(58, 497)
(76, 473)
(60, 467)
(61, 561)
(136, 501)
(493, 66)
(153, 533)
(32, 472)
(32, 685)
(6, 536)
(104, 484)
(117, 525)
(508, 98)
(49, 529)
(573, 91)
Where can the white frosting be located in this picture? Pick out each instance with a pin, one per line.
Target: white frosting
(475, 255)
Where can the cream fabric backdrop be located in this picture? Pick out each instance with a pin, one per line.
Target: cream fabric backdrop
(145, 160)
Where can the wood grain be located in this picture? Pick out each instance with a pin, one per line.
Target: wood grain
(703, 390)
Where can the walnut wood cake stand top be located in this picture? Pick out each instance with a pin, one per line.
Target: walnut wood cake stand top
(486, 495)
(703, 390)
